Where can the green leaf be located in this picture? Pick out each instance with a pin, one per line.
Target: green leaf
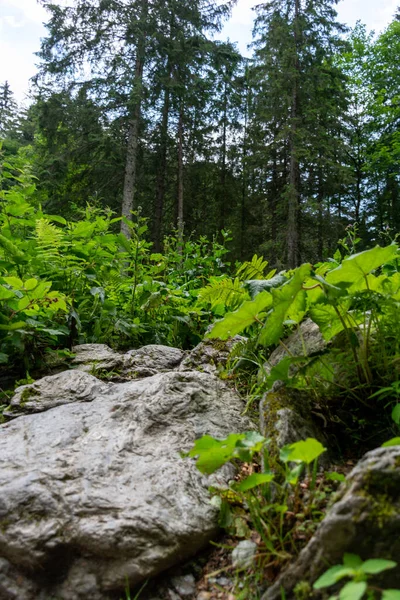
(377, 565)
(396, 414)
(332, 576)
(325, 316)
(393, 442)
(254, 481)
(238, 321)
(305, 451)
(30, 284)
(354, 590)
(6, 294)
(359, 265)
(285, 304)
(391, 595)
(56, 219)
(13, 326)
(213, 454)
(3, 358)
(15, 282)
(335, 476)
(353, 561)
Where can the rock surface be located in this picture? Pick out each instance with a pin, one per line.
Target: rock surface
(287, 416)
(96, 492)
(99, 359)
(364, 521)
(55, 390)
(210, 355)
(243, 555)
(305, 342)
(150, 360)
(96, 357)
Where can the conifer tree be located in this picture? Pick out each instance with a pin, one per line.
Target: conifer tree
(295, 44)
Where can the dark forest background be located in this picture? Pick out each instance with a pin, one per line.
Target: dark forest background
(137, 107)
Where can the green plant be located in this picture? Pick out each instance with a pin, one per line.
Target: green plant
(68, 282)
(359, 572)
(355, 305)
(275, 503)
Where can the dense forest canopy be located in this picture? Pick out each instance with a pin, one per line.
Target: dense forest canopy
(137, 106)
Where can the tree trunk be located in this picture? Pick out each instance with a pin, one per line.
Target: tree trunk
(320, 232)
(180, 175)
(128, 199)
(273, 205)
(293, 234)
(162, 168)
(244, 171)
(223, 197)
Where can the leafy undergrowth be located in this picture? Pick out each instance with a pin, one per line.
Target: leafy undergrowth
(352, 382)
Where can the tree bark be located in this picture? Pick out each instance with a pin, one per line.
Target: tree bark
(180, 175)
(162, 168)
(223, 197)
(128, 199)
(293, 233)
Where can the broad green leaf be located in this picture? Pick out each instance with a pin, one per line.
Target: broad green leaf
(377, 565)
(332, 576)
(254, 481)
(213, 454)
(3, 358)
(23, 303)
(353, 561)
(393, 442)
(15, 282)
(56, 219)
(41, 290)
(13, 326)
(285, 302)
(396, 414)
(293, 476)
(30, 284)
(354, 590)
(391, 595)
(335, 476)
(360, 265)
(6, 294)
(305, 451)
(238, 321)
(325, 316)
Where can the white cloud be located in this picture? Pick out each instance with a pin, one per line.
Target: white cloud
(21, 29)
(29, 9)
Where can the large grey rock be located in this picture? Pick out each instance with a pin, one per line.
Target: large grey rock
(365, 521)
(96, 492)
(211, 355)
(304, 341)
(287, 415)
(150, 360)
(100, 360)
(94, 358)
(55, 390)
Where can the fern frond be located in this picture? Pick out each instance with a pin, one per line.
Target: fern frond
(254, 269)
(229, 292)
(49, 239)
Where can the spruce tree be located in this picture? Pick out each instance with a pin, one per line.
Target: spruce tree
(297, 115)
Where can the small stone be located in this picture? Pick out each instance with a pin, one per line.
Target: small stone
(204, 596)
(243, 554)
(224, 581)
(184, 585)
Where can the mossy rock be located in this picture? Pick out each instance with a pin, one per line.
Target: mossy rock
(365, 521)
